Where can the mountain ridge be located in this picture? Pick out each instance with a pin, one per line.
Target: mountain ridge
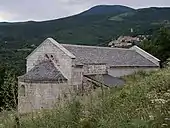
(91, 11)
(78, 29)
(85, 28)
(106, 9)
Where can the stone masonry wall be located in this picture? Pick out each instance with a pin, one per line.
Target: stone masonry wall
(40, 95)
(95, 69)
(118, 72)
(48, 49)
(77, 75)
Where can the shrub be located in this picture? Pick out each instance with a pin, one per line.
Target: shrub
(142, 103)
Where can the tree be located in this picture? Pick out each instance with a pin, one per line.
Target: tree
(2, 74)
(8, 89)
(159, 44)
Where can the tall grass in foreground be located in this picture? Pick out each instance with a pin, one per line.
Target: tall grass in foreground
(143, 103)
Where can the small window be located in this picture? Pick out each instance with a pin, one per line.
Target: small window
(46, 56)
(22, 90)
(52, 57)
(60, 80)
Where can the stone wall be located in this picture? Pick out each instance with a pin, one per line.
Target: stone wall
(48, 50)
(77, 75)
(122, 71)
(40, 95)
(95, 69)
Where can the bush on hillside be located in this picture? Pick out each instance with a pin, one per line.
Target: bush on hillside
(8, 89)
(159, 44)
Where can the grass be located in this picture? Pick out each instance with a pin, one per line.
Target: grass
(143, 103)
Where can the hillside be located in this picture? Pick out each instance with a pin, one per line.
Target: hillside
(144, 102)
(96, 26)
(107, 9)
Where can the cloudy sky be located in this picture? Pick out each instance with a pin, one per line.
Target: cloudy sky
(24, 10)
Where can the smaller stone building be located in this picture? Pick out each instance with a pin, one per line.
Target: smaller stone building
(54, 70)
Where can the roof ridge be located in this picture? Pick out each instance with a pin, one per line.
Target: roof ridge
(87, 46)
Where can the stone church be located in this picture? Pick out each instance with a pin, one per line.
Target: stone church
(53, 70)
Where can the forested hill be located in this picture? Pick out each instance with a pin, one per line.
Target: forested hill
(106, 9)
(95, 26)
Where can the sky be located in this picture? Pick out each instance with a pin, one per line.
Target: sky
(39, 10)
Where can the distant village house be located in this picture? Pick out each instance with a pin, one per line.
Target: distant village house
(127, 41)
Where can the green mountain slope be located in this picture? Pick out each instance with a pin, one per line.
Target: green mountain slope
(90, 27)
(107, 9)
(82, 28)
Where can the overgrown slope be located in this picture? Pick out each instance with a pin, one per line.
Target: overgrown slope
(143, 103)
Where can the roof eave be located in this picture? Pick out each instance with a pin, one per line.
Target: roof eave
(137, 66)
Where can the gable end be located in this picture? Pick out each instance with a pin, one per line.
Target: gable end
(56, 44)
(148, 56)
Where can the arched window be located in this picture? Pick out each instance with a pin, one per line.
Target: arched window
(52, 57)
(60, 80)
(22, 90)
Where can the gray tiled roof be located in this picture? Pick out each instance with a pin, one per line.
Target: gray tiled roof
(107, 55)
(45, 71)
(107, 80)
